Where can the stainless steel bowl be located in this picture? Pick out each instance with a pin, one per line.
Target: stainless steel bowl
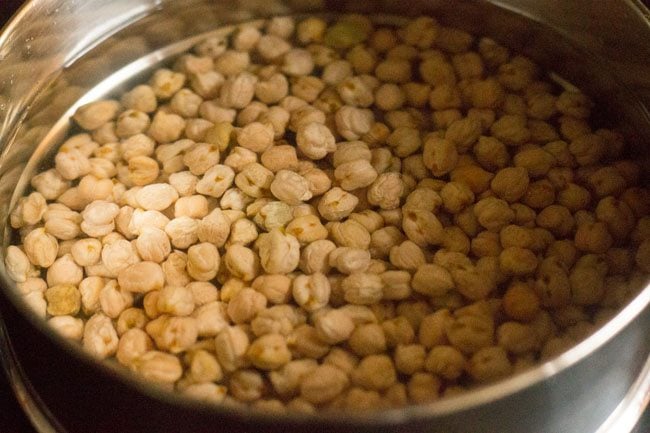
(55, 54)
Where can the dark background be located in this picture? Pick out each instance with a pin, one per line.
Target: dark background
(12, 419)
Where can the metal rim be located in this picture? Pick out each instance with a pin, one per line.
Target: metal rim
(447, 406)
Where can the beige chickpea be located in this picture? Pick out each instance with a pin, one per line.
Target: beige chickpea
(232, 62)
(31, 284)
(516, 236)
(176, 300)
(315, 256)
(275, 287)
(279, 253)
(587, 149)
(404, 141)
(593, 238)
(510, 129)
(286, 381)
(386, 191)
(131, 122)
(182, 231)
(510, 183)
(242, 231)
(363, 288)
(368, 339)
(464, 133)
(397, 285)
(323, 384)
(305, 341)
(93, 115)
(235, 199)
(552, 288)
(486, 244)
(211, 318)
(407, 255)
(422, 227)
(173, 334)
(311, 292)
(432, 280)
(337, 204)
(269, 352)
(158, 196)
(398, 331)
(489, 364)
(471, 333)
(557, 219)
(517, 261)
(245, 305)
(574, 197)
(141, 97)
(349, 260)
(158, 367)
(586, 278)
(142, 170)
(254, 179)
(394, 70)
(445, 361)
(315, 140)
(100, 338)
(153, 245)
(203, 261)
(216, 181)
(114, 299)
(194, 206)
(280, 157)
(40, 247)
(71, 163)
(67, 326)
(136, 145)
(166, 128)
(355, 174)
(355, 92)
(517, 338)
(617, 215)
(520, 302)
(352, 123)
(64, 270)
(129, 319)
(185, 102)
(440, 155)
(409, 359)
(241, 262)
(349, 234)
(49, 184)
(89, 288)
(238, 90)
(307, 229)
(536, 161)
(374, 372)
(290, 187)
(133, 344)
(574, 104)
(141, 220)
(493, 213)
(279, 319)
(423, 387)
(334, 326)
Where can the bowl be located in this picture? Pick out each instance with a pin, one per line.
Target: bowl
(56, 55)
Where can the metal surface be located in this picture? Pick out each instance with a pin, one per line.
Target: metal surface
(54, 52)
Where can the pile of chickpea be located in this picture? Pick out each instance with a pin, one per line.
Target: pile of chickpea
(337, 215)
